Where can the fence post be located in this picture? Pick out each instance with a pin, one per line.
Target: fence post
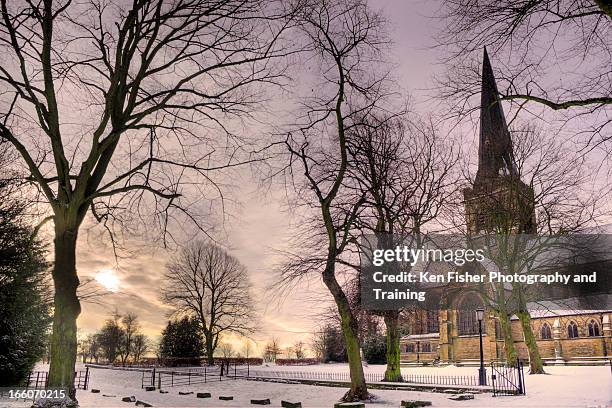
(493, 378)
(86, 377)
(158, 380)
(519, 368)
(153, 378)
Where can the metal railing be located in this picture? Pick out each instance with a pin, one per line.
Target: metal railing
(40, 379)
(501, 378)
(408, 378)
(508, 380)
(301, 375)
(164, 378)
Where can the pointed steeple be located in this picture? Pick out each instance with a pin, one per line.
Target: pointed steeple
(495, 156)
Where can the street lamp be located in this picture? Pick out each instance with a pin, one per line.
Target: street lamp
(482, 372)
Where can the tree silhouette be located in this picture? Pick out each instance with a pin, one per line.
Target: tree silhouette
(122, 110)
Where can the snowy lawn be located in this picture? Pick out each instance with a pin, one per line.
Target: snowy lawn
(563, 387)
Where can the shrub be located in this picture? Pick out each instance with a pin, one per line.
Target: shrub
(240, 360)
(375, 349)
(181, 343)
(24, 307)
(296, 361)
(334, 347)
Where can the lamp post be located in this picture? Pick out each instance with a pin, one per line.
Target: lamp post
(482, 372)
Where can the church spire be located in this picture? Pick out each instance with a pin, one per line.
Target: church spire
(495, 156)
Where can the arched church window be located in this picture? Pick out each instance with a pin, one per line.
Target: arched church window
(498, 330)
(467, 321)
(593, 329)
(545, 332)
(409, 348)
(433, 321)
(572, 330)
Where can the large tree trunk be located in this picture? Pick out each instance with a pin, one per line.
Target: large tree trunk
(359, 390)
(535, 360)
(506, 329)
(210, 349)
(350, 330)
(66, 311)
(393, 372)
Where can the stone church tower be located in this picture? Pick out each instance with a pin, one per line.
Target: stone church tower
(498, 201)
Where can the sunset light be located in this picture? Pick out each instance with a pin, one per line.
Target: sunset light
(108, 279)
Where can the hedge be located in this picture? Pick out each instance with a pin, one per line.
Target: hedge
(296, 361)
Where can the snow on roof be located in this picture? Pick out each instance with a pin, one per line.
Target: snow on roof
(571, 306)
(421, 336)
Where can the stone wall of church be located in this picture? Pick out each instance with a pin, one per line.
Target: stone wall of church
(412, 352)
(560, 348)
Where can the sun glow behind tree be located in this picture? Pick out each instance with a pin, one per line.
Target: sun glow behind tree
(108, 279)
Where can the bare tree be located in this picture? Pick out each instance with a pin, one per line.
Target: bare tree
(299, 349)
(110, 338)
(90, 348)
(567, 200)
(152, 85)
(346, 38)
(247, 348)
(226, 349)
(206, 282)
(564, 201)
(131, 328)
(404, 168)
(141, 345)
(557, 55)
(272, 350)
(317, 344)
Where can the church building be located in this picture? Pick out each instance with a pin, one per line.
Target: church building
(498, 197)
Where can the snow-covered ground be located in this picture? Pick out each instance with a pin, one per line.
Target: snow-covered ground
(562, 387)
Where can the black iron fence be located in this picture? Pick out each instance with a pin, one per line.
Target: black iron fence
(508, 380)
(502, 379)
(38, 380)
(425, 379)
(164, 378)
(432, 379)
(245, 372)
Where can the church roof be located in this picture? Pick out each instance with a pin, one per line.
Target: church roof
(495, 156)
(570, 307)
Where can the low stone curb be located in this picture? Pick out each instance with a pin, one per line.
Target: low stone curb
(415, 404)
(287, 404)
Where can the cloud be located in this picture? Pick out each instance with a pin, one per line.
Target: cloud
(262, 227)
